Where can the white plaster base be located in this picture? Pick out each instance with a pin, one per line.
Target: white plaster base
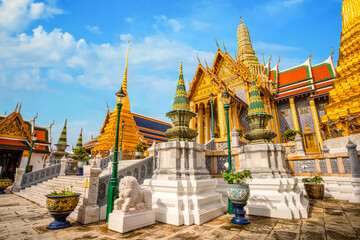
(341, 188)
(279, 198)
(88, 214)
(185, 202)
(120, 222)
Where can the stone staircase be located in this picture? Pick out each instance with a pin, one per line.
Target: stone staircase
(36, 193)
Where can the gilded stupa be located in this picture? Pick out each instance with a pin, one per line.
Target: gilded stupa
(245, 50)
(345, 96)
(130, 133)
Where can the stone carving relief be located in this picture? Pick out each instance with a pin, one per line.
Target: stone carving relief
(131, 196)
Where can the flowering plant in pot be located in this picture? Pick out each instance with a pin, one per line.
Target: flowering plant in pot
(139, 150)
(60, 205)
(238, 192)
(289, 135)
(4, 183)
(314, 187)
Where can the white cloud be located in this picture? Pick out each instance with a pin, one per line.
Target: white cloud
(166, 22)
(290, 3)
(15, 15)
(125, 37)
(28, 79)
(198, 25)
(129, 19)
(94, 29)
(273, 47)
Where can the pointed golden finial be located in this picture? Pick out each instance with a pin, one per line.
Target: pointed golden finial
(19, 107)
(181, 70)
(35, 117)
(107, 105)
(5, 113)
(236, 57)
(269, 59)
(124, 83)
(206, 64)
(224, 47)
(278, 61)
(263, 58)
(310, 54)
(16, 106)
(241, 20)
(197, 55)
(52, 123)
(332, 52)
(217, 44)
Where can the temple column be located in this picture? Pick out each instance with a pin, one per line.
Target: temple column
(276, 121)
(316, 123)
(192, 121)
(200, 125)
(207, 123)
(221, 116)
(294, 115)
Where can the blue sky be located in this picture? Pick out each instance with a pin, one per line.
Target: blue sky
(65, 59)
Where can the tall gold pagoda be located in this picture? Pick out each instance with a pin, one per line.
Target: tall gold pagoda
(131, 136)
(343, 111)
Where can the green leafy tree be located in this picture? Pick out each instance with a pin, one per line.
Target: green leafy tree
(139, 148)
(289, 135)
(240, 132)
(81, 154)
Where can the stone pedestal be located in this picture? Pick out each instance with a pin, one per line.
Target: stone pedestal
(235, 139)
(17, 184)
(183, 192)
(89, 212)
(64, 163)
(299, 145)
(273, 191)
(355, 193)
(125, 222)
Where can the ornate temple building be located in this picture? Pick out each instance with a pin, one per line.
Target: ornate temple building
(296, 97)
(16, 141)
(136, 128)
(343, 112)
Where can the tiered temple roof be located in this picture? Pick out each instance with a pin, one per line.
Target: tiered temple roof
(15, 133)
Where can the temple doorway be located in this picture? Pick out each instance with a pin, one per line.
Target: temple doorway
(9, 161)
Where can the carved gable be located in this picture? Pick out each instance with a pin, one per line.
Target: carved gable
(14, 127)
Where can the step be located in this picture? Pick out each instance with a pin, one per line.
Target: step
(49, 188)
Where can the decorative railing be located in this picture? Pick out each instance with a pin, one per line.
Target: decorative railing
(40, 175)
(140, 170)
(217, 160)
(104, 161)
(328, 164)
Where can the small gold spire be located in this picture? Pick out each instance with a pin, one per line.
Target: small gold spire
(181, 70)
(240, 20)
(124, 83)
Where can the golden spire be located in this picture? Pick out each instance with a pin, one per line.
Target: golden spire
(124, 83)
(181, 71)
(245, 49)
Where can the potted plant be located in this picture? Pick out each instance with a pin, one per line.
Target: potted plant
(60, 205)
(4, 183)
(289, 135)
(139, 150)
(82, 156)
(314, 187)
(238, 192)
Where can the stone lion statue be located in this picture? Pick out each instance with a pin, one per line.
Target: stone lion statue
(132, 196)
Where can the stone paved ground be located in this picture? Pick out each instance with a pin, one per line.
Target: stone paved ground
(329, 219)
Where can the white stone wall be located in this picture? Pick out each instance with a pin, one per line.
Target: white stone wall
(339, 144)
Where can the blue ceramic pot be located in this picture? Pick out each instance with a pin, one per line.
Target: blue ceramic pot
(238, 193)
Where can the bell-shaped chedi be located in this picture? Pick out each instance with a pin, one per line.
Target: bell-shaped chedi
(180, 114)
(258, 118)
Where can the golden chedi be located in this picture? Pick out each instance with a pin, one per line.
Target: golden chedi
(345, 96)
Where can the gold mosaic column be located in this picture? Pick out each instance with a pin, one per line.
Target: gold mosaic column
(200, 125)
(293, 114)
(207, 123)
(316, 123)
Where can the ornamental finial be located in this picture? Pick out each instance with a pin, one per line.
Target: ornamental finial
(241, 20)
(181, 70)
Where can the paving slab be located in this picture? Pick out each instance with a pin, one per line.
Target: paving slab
(329, 219)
